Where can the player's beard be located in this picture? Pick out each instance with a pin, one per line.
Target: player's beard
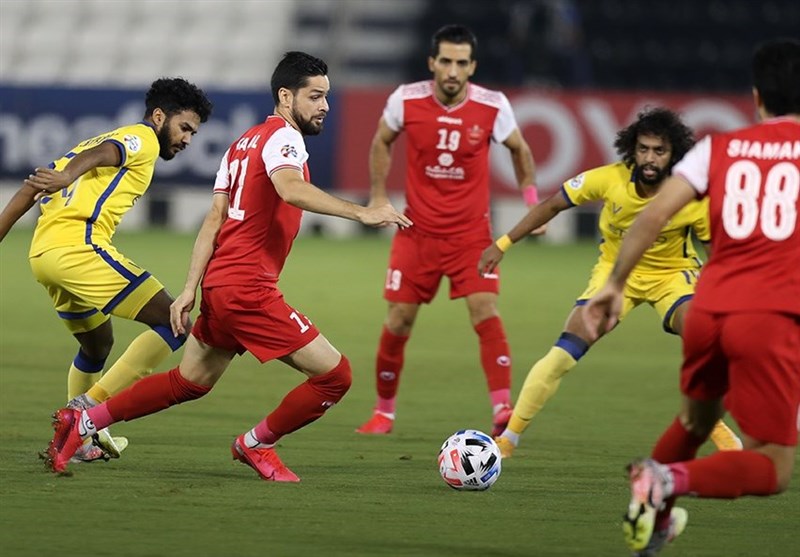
(451, 88)
(164, 143)
(660, 175)
(307, 125)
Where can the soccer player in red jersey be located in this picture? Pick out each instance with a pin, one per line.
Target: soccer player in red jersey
(741, 347)
(450, 124)
(260, 192)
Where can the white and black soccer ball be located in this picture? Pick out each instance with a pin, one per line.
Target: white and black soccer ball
(469, 460)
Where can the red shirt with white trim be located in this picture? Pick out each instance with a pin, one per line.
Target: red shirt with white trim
(257, 236)
(447, 170)
(752, 177)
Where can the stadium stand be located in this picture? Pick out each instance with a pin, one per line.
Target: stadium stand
(214, 42)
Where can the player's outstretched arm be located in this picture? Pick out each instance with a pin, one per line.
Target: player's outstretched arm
(50, 180)
(380, 161)
(536, 216)
(18, 205)
(293, 189)
(47, 180)
(201, 255)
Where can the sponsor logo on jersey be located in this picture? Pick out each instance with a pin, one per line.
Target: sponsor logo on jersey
(449, 120)
(445, 159)
(475, 134)
(576, 182)
(289, 151)
(446, 173)
(132, 142)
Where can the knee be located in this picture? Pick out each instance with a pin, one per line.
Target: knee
(186, 388)
(98, 349)
(399, 322)
(783, 481)
(165, 332)
(783, 459)
(342, 375)
(337, 381)
(698, 427)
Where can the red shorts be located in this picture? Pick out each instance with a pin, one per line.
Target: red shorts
(252, 318)
(417, 263)
(753, 360)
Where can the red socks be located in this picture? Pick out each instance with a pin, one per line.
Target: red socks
(730, 474)
(389, 363)
(676, 444)
(495, 360)
(147, 396)
(495, 354)
(722, 475)
(307, 402)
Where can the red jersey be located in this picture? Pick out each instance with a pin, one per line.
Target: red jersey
(257, 236)
(447, 171)
(752, 179)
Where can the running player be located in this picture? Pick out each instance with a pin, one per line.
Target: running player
(91, 188)
(742, 341)
(260, 192)
(665, 279)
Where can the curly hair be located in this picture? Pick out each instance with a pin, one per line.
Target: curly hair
(175, 94)
(661, 122)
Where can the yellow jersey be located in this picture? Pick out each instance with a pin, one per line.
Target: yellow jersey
(615, 186)
(89, 210)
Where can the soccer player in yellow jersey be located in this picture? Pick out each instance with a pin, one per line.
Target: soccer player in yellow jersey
(665, 277)
(83, 196)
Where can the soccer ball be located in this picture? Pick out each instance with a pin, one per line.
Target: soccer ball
(469, 460)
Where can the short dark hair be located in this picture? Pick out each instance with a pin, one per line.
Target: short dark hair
(660, 122)
(776, 75)
(175, 94)
(293, 71)
(456, 34)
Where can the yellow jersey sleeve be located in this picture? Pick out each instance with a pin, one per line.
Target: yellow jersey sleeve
(702, 223)
(593, 184)
(137, 144)
(613, 185)
(89, 210)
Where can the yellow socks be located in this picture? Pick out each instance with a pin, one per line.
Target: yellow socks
(724, 438)
(143, 354)
(541, 383)
(78, 382)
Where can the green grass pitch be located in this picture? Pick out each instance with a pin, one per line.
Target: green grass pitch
(176, 492)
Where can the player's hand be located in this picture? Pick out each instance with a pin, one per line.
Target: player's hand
(179, 312)
(47, 181)
(383, 215)
(601, 313)
(378, 201)
(490, 258)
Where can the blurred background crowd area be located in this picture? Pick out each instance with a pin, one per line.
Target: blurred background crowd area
(575, 72)
(697, 45)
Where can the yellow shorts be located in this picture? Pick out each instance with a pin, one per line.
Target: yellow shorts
(664, 290)
(87, 285)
